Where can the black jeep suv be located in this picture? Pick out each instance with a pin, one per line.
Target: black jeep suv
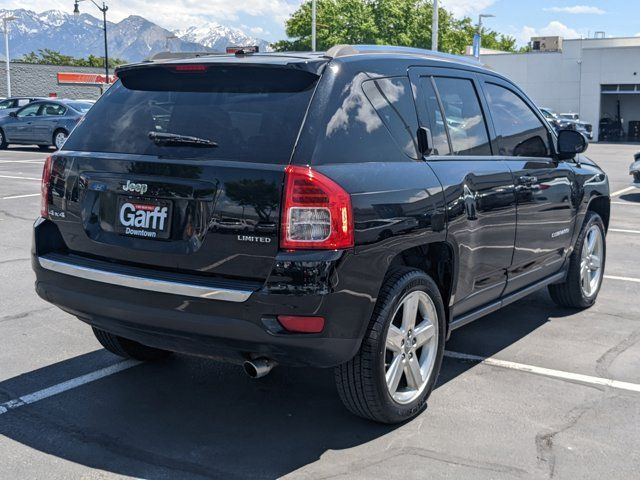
(345, 209)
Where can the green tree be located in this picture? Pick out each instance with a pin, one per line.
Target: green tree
(391, 22)
(52, 57)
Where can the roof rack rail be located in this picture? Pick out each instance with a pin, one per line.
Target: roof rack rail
(338, 51)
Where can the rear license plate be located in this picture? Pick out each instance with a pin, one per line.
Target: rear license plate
(143, 217)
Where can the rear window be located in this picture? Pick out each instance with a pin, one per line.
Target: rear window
(82, 107)
(253, 114)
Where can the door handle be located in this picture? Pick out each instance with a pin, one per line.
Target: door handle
(527, 180)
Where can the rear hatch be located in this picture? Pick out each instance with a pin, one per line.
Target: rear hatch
(180, 167)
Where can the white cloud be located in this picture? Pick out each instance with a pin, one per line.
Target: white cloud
(577, 10)
(554, 28)
(461, 8)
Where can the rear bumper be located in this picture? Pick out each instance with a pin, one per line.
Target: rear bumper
(241, 326)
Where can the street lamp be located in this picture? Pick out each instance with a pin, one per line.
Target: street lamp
(313, 25)
(434, 26)
(480, 17)
(103, 9)
(5, 22)
(168, 41)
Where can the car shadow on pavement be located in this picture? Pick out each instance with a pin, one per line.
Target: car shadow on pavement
(188, 417)
(631, 197)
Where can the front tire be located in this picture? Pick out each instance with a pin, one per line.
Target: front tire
(391, 377)
(126, 348)
(586, 267)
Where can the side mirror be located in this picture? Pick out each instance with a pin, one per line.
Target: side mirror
(13, 114)
(571, 143)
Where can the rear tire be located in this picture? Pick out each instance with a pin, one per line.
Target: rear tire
(576, 291)
(59, 137)
(3, 140)
(379, 383)
(126, 348)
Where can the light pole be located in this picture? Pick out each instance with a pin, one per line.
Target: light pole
(169, 38)
(313, 25)
(480, 17)
(434, 27)
(5, 22)
(103, 9)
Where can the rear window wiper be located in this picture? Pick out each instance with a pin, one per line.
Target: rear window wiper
(174, 139)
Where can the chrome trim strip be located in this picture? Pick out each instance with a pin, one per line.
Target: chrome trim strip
(144, 283)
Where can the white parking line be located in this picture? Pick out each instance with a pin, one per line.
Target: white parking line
(65, 386)
(23, 161)
(21, 178)
(13, 197)
(624, 279)
(628, 204)
(621, 230)
(624, 190)
(547, 372)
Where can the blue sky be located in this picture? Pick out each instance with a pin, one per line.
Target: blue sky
(265, 18)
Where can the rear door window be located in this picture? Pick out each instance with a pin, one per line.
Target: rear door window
(252, 114)
(393, 101)
(436, 120)
(520, 132)
(53, 110)
(463, 114)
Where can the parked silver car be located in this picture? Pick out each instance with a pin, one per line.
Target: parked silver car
(634, 170)
(44, 123)
(13, 104)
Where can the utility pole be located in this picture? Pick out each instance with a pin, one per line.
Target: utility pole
(6, 21)
(434, 27)
(313, 25)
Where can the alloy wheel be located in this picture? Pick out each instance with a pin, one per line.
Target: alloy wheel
(61, 137)
(591, 261)
(411, 346)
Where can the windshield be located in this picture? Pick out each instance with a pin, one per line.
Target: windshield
(82, 107)
(6, 104)
(249, 116)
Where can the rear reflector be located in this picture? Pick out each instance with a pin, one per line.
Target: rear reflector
(295, 324)
(317, 212)
(45, 187)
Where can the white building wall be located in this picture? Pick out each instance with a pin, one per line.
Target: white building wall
(570, 81)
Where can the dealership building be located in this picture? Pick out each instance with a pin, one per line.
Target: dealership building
(597, 78)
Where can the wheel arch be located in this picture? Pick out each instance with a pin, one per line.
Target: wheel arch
(437, 260)
(602, 206)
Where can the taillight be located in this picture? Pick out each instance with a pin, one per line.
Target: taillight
(45, 187)
(317, 212)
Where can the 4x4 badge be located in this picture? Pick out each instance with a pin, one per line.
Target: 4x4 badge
(140, 188)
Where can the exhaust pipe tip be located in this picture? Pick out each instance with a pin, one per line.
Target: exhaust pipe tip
(258, 368)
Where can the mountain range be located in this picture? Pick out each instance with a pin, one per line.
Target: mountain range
(132, 39)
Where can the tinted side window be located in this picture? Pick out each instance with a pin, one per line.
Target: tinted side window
(436, 122)
(53, 109)
(352, 131)
(30, 111)
(393, 101)
(520, 132)
(464, 119)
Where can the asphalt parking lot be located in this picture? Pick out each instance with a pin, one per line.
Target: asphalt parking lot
(542, 392)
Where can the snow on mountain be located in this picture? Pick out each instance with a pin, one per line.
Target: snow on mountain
(133, 39)
(219, 37)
